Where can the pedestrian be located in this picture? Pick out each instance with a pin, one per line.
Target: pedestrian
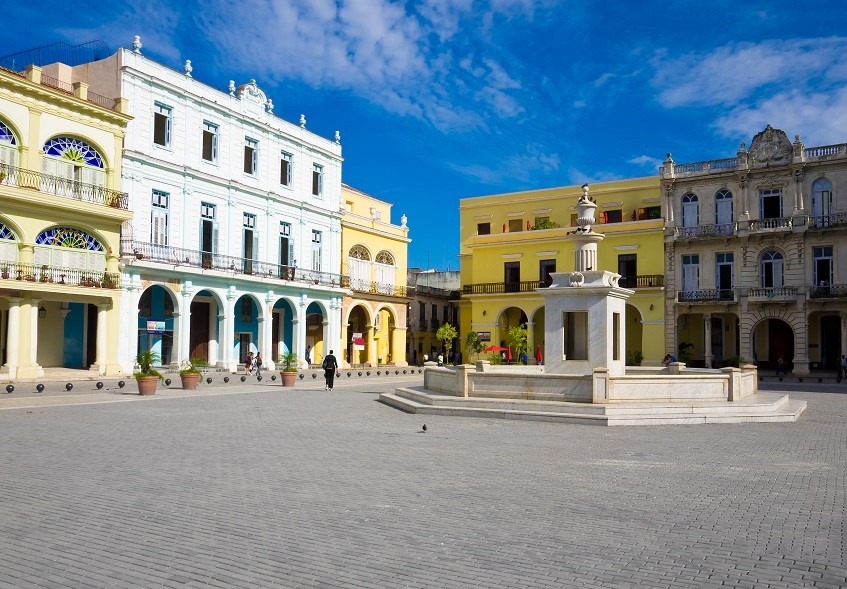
(258, 362)
(248, 364)
(308, 354)
(780, 367)
(330, 365)
(539, 357)
(842, 367)
(524, 358)
(441, 359)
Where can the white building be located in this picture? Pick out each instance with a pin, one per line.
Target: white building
(235, 242)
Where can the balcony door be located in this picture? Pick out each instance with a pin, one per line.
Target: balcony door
(690, 273)
(724, 274)
(512, 276)
(627, 268)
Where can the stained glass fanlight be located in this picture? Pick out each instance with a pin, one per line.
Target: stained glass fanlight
(74, 150)
(6, 135)
(69, 237)
(8, 247)
(6, 233)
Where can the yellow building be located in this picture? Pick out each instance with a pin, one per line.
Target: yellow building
(61, 212)
(511, 243)
(374, 258)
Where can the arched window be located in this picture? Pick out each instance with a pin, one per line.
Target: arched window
(66, 247)
(359, 267)
(772, 269)
(723, 211)
(690, 210)
(73, 159)
(8, 147)
(385, 272)
(821, 202)
(8, 245)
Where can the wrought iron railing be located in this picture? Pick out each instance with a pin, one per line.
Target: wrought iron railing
(501, 287)
(833, 291)
(12, 176)
(423, 324)
(210, 261)
(58, 275)
(706, 295)
(772, 292)
(382, 288)
(824, 221)
(642, 281)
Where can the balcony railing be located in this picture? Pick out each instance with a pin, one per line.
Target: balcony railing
(834, 291)
(209, 261)
(643, 281)
(423, 325)
(501, 287)
(12, 176)
(706, 231)
(709, 166)
(434, 324)
(382, 288)
(825, 150)
(770, 224)
(57, 275)
(708, 295)
(775, 293)
(825, 221)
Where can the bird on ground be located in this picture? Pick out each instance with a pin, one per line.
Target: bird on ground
(423, 429)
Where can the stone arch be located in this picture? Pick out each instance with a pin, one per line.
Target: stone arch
(508, 317)
(58, 143)
(283, 314)
(359, 317)
(756, 317)
(634, 338)
(205, 329)
(157, 312)
(360, 252)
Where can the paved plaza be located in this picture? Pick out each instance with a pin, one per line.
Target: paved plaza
(251, 485)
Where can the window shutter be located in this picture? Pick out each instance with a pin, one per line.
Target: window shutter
(777, 273)
(255, 245)
(215, 239)
(290, 252)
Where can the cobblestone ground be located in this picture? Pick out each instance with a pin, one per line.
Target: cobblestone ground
(272, 488)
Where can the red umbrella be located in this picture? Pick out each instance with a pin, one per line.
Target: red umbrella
(494, 349)
(539, 357)
(509, 354)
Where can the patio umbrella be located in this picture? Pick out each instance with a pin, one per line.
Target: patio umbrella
(509, 354)
(494, 349)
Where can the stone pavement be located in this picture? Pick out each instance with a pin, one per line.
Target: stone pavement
(255, 486)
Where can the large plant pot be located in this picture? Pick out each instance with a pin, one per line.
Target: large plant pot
(147, 385)
(288, 378)
(189, 381)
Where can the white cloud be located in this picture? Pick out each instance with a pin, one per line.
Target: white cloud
(516, 169)
(646, 160)
(579, 177)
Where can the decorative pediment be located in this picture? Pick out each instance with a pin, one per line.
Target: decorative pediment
(250, 92)
(770, 147)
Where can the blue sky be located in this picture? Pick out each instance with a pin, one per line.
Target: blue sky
(438, 100)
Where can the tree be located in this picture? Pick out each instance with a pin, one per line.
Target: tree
(446, 334)
(517, 339)
(473, 345)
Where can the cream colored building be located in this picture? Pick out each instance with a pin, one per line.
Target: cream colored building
(61, 211)
(373, 261)
(756, 254)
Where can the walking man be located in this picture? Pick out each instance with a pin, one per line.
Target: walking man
(842, 367)
(330, 365)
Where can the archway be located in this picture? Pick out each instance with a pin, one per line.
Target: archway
(282, 329)
(825, 331)
(773, 339)
(509, 318)
(155, 322)
(535, 336)
(357, 326)
(383, 335)
(246, 328)
(634, 336)
(315, 332)
(203, 329)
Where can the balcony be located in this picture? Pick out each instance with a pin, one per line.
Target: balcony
(175, 256)
(643, 281)
(775, 294)
(423, 325)
(434, 325)
(56, 275)
(707, 295)
(833, 221)
(70, 189)
(774, 224)
(501, 287)
(392, 290)
(835, 291)
(706, 231)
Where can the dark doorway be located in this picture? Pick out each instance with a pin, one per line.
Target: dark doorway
(207, 240)
(90, 335)
(512, 276)
(627, 268)
(830, 342)
(199, 335)
(275, 335)
(780, 342)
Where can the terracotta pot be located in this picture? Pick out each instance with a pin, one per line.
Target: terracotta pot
(288, 378)
(189, 381)
(147, 384)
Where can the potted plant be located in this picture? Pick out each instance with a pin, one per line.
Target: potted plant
(147, 376)
(190, 373)
(288, 374)
(4, 271)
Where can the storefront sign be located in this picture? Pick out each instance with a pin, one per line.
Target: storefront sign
(156, 327)
(484, 336)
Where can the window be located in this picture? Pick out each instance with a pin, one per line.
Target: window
(317, 180)
(316, 250)
(771, 269)
(723, 212)
(515, 225)
(8, 146)
(690, 273)
(162, 124)
(512, 276)
(573, 219)
(384, 272)
(575, 334)
(483, 228)
(444, 317)
(690, 210)
(770, 203)
(724, 274)
(68, 158)
(208, 234)
(649, 213)
(615, 216)
(285, 169)
(822, 268)
(251, 156)
(210, 142)
(433, 316)
(821, 202)
(422, 312)
(627, 268)
(159, 218)
(545, 269)
(616, 336)
(286, 245)
(250, 242)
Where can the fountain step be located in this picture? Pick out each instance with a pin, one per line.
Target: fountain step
(763, 407)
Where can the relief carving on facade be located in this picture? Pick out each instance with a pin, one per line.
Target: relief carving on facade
(770, 147)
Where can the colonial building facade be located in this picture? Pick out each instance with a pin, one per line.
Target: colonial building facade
(511, 243)
(374, 254)
(61, 210)
(236, 239)
(755, 255)
(435, 298)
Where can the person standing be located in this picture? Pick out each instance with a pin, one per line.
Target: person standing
(842, 367)
(248, 364)
(258, 362)
(780, 367)
(330, 365)
(308, 354)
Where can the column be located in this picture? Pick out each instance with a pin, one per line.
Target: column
(371, 345)
(14, 330)
(184, 352)
(707, 344)
(798, 193)
(229, 332)
(102, 334)
(530, 342)
(843, 334)
(398, 346)
(299, 329)
(217, 356)
(33, 326)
